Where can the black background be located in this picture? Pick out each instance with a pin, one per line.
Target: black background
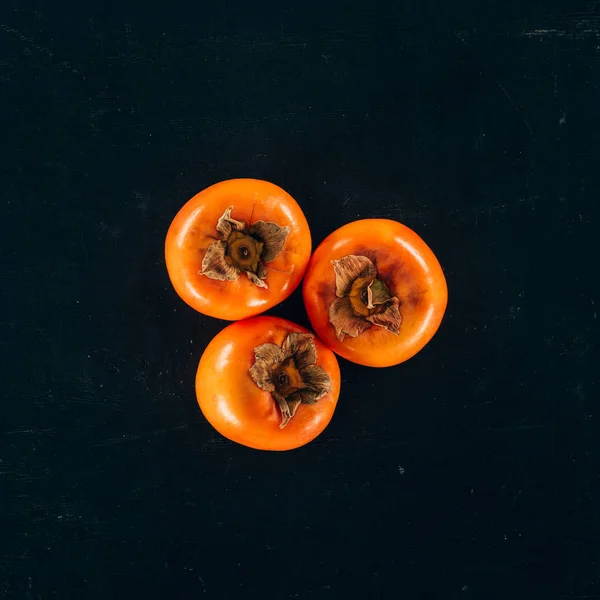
(469, 472)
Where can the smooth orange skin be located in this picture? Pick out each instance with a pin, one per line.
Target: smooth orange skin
(194, 229)
(408, 267)
(238, 409)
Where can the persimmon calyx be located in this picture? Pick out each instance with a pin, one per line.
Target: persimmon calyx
(362, 300)
(290, 374)
(243, 249)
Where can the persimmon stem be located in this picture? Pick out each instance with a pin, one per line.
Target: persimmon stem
(290, 373)
(363, 300)
(242, 249)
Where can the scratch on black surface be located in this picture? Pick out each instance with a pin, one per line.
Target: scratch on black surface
(574, 29)
(487, 210)
(85, 250)
(216, 444)
(517, 109)
(514, 105)
(518, 428)
(27, 431)
(135, 437)
(40, 49)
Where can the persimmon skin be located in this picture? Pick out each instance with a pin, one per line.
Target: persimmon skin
(238, 409)
(409, 268)
(194, 228)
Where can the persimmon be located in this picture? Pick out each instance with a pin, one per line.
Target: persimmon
(237, 248)
(375, 293)
(268, 383)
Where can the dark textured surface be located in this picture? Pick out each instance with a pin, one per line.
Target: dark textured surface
(471, 471)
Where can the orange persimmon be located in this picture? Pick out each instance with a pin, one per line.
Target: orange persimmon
(268, 384)
(237, 248)
(375, 293)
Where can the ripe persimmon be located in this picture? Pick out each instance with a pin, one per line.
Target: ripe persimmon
(237, 248)
(375, 293)
(268, 384)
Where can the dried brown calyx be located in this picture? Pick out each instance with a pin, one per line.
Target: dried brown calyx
(289, 372)
(243, 249)
(362, 300)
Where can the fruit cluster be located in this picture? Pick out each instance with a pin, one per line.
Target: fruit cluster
(374, 292)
